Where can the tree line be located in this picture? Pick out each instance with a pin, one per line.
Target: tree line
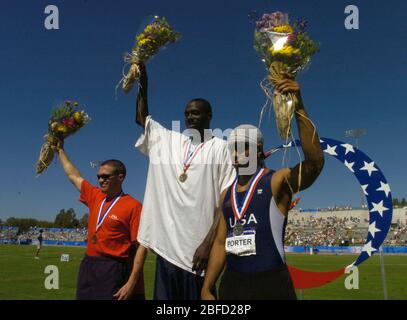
(399, 203)
(64, 219)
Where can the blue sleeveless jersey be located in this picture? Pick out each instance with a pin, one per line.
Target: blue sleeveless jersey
(265, 218)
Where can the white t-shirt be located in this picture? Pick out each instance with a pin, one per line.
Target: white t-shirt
(177, 215)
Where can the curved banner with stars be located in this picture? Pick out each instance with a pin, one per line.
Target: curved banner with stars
(378, 197)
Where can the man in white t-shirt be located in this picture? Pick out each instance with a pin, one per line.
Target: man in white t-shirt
(186, 176)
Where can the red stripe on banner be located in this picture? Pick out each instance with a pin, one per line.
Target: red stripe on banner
(294, 203)
(303, 279)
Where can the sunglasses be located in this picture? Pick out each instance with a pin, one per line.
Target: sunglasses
(104, 176)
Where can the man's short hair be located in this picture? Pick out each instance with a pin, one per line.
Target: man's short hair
(204, 103)
(118, 166)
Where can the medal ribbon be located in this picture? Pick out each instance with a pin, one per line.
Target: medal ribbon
(188, 157)
(102, 215)
(239, 211)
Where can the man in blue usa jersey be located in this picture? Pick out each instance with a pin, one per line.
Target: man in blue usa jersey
(250, 235)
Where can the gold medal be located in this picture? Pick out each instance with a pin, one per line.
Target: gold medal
(94, 239)
(188, 157)
(183, 177)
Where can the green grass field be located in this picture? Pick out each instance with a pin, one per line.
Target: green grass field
(22, 276)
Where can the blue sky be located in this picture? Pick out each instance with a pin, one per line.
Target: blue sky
(356, 80)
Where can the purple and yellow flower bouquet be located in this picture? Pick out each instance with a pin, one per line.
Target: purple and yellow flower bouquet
(286, 49)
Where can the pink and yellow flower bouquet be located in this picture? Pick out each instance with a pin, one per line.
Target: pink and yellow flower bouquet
(286, 49)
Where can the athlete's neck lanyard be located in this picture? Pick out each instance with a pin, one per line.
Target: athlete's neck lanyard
(102, 215)
(239, 211)
(188, 157)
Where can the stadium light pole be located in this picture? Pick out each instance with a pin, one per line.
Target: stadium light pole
(95, 164)
(383, 273)
(356, 134)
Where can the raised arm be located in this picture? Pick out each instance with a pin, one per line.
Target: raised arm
(141, 103)
(291, 180)
(71, 172)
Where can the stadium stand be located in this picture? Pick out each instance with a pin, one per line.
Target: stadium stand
(8, 234)
(55, 236)
(312, 227)
(327, 227)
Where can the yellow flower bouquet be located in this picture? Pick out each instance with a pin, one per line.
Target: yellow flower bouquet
(64, 121)
(155, 36)
(286, 49)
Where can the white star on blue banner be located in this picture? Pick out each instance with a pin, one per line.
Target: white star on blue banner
(373, 183)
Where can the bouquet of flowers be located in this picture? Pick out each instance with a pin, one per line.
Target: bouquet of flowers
(155, 36)
(286, 49)
(64, 121)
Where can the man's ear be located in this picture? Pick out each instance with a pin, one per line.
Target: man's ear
(210, 115)
(260, 152)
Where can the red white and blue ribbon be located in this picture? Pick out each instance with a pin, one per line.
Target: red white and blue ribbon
(102, 215)
(239, 211)
(189, 156)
